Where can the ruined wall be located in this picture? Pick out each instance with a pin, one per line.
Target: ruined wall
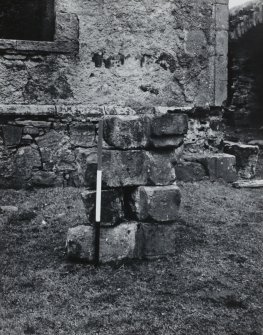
(137, 54)
(245, 65)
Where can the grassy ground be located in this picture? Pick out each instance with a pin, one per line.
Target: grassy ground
(212, 286)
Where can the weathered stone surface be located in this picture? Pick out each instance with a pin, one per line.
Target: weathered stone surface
(124, 168)
(246, 158)
(159, 239)
(160, 204)
(86, 163)
(56, 152)
(249, 183)
(46, 179)
(83, 135)
(217, 166)
(25, 161)
(112, 206)
(12, 135)
(190, 171)
(116, 243)
(167, 141)
(170, 124)
(160, 168)
(127, 132)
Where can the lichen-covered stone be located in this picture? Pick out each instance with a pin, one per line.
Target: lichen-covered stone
(246, 158)
(116, 243)
(112, 206)
(130, 132)
(159, 204)
(170, 124)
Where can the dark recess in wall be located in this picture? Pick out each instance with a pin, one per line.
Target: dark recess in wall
(27, 20)
(246, 77)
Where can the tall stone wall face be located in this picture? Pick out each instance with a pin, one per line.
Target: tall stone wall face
(125, 53)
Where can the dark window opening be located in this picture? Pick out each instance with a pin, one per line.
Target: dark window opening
(27, 20)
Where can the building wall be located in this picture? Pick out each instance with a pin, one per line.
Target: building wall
(131, 53)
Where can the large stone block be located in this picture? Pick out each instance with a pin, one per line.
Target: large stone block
(160, 170)
(170, 124)
(246, 158)
(124, 168)
(160, 204)
(217, 166)
(127, 132)
(116, 243)
(112, 207)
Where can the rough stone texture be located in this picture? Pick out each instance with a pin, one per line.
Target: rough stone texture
(217, 166)
(246, 158)
(160, 167)
(130, 54)
(159, 204)
(83, 135)
(120, 242)
(190, 171)
(170, 124)
(11, 135)
(112, 206)
(127, 132)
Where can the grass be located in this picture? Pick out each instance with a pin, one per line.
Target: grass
(213, 285)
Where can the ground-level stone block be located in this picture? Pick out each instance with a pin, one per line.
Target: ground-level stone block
(246, 158)
(112, 207)
(127, 132)
(217, 165)
(159, 204)
(117, 243)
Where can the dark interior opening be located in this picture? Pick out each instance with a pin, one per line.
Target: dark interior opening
(27, 20)
(246, 78)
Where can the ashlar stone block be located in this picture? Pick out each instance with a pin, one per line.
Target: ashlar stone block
(116, 243)
(127, 132)
(159, 204)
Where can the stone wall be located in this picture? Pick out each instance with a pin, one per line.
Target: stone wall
(131, 53)
(245, 65)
